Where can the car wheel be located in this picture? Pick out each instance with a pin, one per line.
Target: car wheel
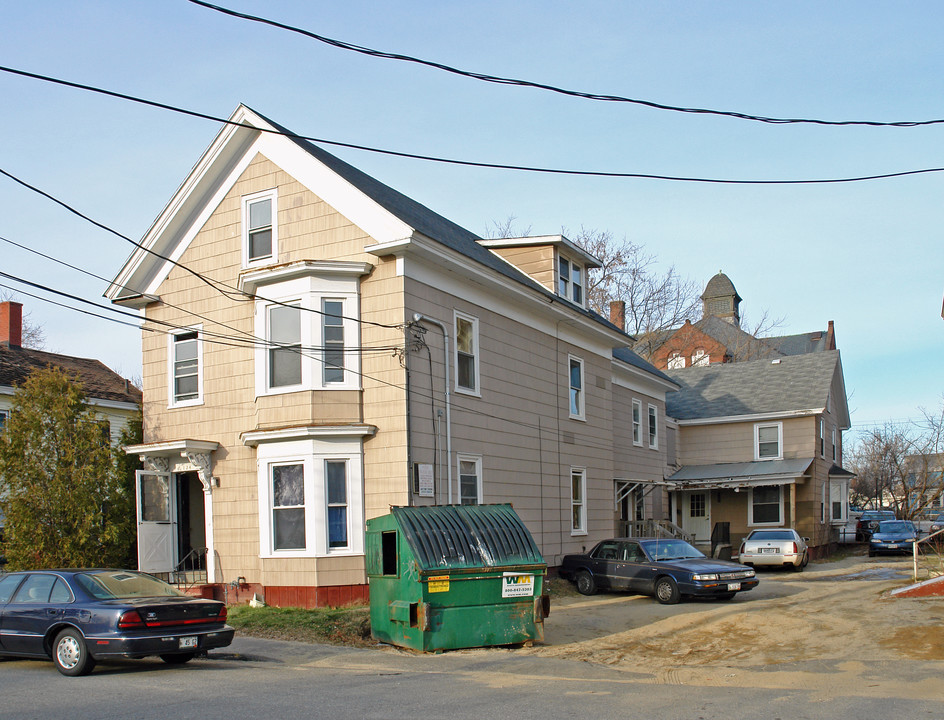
(177, 658)
(666, 591)
(806, 558)
(871, 553)
(585, 583)
(71, 655)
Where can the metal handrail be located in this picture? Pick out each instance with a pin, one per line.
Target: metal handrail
(940, 557)
(194, 564)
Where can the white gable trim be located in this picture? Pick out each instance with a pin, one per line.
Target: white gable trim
(213, 177)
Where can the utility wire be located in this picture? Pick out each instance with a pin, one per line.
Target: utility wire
(471, 163)
(499, 80)
(231, 292)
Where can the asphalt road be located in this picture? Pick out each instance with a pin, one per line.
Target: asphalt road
(269, 679)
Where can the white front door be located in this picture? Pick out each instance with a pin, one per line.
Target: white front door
(696, 519)
(157, 522)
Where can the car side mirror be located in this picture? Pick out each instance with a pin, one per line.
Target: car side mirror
(806, 540)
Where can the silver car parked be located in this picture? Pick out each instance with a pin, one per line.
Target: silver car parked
(780, 547)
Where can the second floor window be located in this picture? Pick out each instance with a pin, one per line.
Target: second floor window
(575, 375)
(332, 333)
(835, 447)
(467, 366)
(285, 356)
(767, 442)
(185, 368)
(676, 361)
(699, 358)
(653, 427)
(637, 422)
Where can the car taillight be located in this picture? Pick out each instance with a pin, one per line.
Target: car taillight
(741, 550)
(795, 549)
(222, 614)
(130, 619)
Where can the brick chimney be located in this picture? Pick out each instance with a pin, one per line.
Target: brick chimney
(11, 324)
(618, 314)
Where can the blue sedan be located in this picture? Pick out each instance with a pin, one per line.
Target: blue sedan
(892, 537)
(77, 617)
(666, 568)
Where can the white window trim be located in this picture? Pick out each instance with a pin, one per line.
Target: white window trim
(582, 472)
(477, 459)
(675, 361)
(312, 454)
(652, 416)
(637, 424)
(750, 509)
(843, 490)
(822, 437)
(308, 291)
(835, 447)
(172, 401)
(779, 426)
(272, 195)
(568, 293)
(581, 413)
(476, 354)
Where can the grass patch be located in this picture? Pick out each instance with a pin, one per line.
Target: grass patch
(558, 587)
(335, 626)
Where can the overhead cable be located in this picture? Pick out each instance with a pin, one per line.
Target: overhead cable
(499, 80)
(471, 163)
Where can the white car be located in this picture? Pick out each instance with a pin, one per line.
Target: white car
(780, 547)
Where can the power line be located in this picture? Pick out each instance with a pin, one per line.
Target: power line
(473, 163)
(499, 80)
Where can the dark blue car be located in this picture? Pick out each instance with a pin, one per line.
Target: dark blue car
(77, 617)
(893, 537)
(668, 569)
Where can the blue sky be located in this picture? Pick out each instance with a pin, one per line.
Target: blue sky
(867, 255)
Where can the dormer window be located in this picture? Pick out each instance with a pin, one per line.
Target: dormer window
(570, 280)
(699, 358)
(676, 361)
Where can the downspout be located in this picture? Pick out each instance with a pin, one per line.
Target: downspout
(417, 317)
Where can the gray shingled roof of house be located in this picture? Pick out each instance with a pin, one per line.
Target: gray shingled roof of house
(798, 344)
(442, 230)
(98, 382)
(797, 382)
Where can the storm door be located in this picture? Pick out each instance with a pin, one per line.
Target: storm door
(157, 522)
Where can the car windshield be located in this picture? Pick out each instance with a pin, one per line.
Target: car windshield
(771, 535)
(670, 549)
(894, 526)
(123, 584)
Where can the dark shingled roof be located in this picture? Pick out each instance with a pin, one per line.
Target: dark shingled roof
(799, 382)
(98, 382)
(720, 286)
(798, 344)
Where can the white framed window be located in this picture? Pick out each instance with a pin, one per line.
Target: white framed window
(578, 501)
(765, 505)
(260, 228)
(700, 357)
(676, 361)
(821, 437)
(576, 385)
(310, 497)
(467, 353)
(838, 501)
(185, 368)
(332, 340)
(570, 280)
(311, 331)
(288, 506)
(284, 334)
(653, 427)
(470, 479)
(336, 494)
(834, 445)
(637, 422)
(768, 441)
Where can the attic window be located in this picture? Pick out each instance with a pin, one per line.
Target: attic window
(260, 231)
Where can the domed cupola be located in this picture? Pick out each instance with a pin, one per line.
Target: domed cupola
(721, 299)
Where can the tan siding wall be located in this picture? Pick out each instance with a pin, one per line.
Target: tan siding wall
(537, 262)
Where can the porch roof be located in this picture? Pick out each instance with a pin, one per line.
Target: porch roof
(742, 474)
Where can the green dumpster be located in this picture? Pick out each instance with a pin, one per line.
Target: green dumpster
(454, 576)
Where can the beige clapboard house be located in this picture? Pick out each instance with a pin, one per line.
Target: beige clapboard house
(318, 347)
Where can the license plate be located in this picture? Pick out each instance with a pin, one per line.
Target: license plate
(734, 586)
(770, 550)
(893, 546)
(188, 642)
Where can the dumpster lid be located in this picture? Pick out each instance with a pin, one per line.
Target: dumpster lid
(467, 536)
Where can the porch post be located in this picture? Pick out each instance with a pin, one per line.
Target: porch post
(793, 504)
